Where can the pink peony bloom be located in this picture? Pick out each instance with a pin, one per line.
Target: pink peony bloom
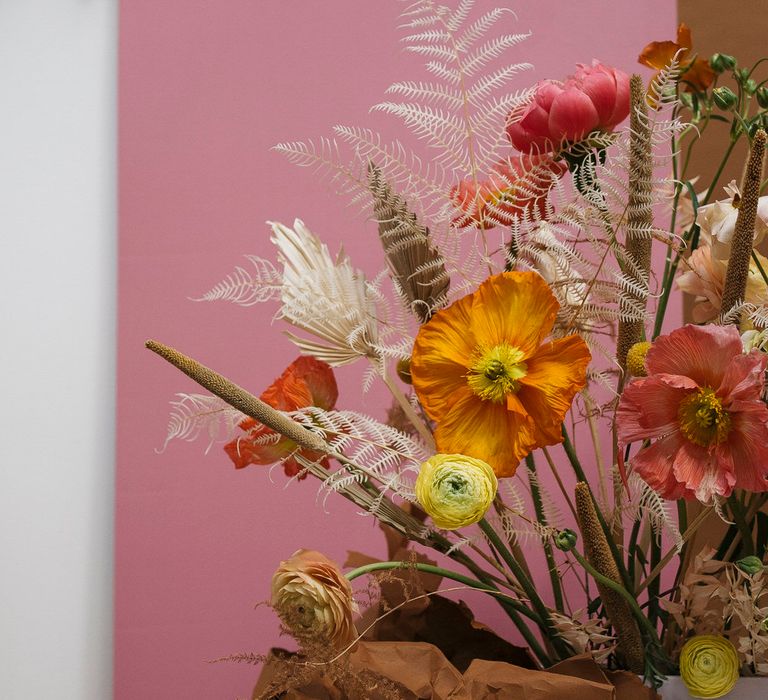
(515, 187)
(594, 98)
(700, 405)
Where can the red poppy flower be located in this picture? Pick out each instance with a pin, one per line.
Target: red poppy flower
(305, 382)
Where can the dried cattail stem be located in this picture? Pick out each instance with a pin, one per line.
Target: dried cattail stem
(240, 399)
(639, 222)
(373, 501)
(735, 287)
(598, 553)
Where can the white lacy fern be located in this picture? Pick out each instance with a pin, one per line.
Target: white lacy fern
(194, 415)
(248, 287)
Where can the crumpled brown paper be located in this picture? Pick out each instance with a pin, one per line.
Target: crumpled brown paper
(417, 670)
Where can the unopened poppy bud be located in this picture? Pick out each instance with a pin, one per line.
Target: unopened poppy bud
(721, 62)
(724, 97)
(750, 86)
(404, 370)
(762, 96)
(750, 565)
(565, 540)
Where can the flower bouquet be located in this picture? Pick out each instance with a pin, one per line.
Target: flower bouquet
(519, 327)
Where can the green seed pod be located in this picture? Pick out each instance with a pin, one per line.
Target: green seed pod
(565, 540)
(721, 62)
(762, 96)
(724, 97)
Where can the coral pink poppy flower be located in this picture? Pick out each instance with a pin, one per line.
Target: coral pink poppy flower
(594, 98)
(701, 406)
(305, 382)
(515, 187)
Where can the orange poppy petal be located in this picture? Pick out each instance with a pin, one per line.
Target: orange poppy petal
(441, 356)
(698, 76)
(486, 431)
(517, 308)
(658, 54)
(555, 374)
(684, 40)
(307, 381)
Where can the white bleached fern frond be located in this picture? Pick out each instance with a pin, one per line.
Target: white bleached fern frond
(248, 287)
(326, 298)
(645, 504)
(387, 455)
(193, 415)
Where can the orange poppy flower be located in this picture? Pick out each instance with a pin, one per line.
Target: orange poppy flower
(696, 75)
(305, 382)
(485, 374)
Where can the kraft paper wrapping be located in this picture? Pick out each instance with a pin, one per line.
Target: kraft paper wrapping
(417, 670)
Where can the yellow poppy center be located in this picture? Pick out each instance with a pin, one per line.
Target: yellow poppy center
(703, 420)
(496, 372)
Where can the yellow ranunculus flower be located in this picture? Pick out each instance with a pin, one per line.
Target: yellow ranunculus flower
(709, 666)
(455, 490)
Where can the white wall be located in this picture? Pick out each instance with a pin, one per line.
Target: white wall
(57, 346)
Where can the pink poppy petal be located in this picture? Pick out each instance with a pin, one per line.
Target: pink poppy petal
(748, 443)
(648, 409)
(744, 377)
(702, 353)
(654, 465)
(707, 472)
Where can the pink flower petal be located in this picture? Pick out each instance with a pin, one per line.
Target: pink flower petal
(707, 472)
(748, 443)
(572, 116)
(744, 378)
(702, 353)
(600, 87)
(648, 409)
(654, 465)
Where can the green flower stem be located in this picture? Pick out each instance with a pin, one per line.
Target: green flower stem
(654, 587)
(737, 510)
(547, 627)
(642, 620)
(670, 266)
(573, 458)
(538, 506)
(632, 551)
(509, 603)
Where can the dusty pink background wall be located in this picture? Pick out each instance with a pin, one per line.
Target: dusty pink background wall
(205, 89)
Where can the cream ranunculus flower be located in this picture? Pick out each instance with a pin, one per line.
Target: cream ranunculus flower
(314, 599)
(709, 666)
(455, 490)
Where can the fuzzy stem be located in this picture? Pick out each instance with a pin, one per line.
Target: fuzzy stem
(573, 458)
(639, 221)
(735, 286)
(599, 555)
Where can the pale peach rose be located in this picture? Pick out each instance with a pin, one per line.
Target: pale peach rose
(314, 599)
(718, 221)
(705, 278)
